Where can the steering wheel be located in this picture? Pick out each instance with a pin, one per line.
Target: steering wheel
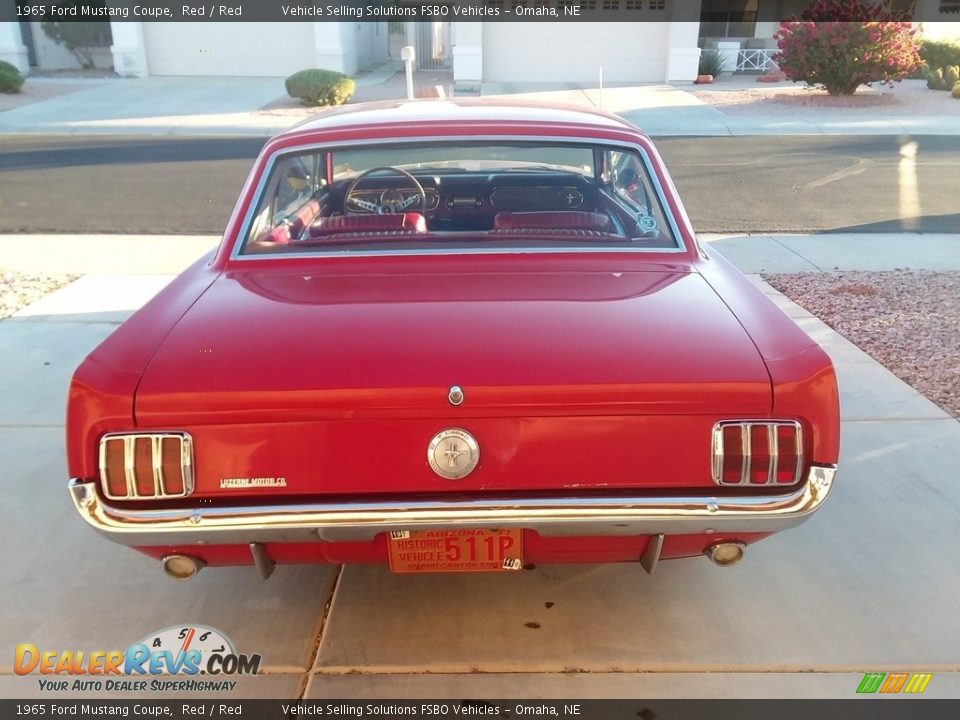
(391, 201)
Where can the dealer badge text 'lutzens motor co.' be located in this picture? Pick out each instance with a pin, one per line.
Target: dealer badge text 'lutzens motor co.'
(453, 453)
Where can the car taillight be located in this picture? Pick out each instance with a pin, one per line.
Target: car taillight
(146, 466)
(757, 452)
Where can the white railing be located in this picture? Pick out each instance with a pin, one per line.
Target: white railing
(751, 60)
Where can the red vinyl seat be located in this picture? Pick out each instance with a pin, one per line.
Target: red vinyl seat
(411, 222)
(559, 220)
(284, 234)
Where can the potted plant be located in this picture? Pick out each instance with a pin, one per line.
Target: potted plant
(712, 63)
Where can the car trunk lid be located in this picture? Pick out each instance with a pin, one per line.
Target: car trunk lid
(297, 345)
(352, 361)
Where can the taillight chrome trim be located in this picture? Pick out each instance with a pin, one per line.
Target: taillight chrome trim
(156, 464)
(773, 446)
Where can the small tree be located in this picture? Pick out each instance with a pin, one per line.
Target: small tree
(842, 44)
(80, 38)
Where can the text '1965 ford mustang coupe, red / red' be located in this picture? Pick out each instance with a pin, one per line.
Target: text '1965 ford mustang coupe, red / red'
(453, 336)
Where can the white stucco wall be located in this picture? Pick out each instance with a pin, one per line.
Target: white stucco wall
(229, 49)
(937, 25)
(373, 44)
(574, 52)
(129, 53)
(942, 30)
(12, 49)
(348, 46)
(467, 41)
(335, 47)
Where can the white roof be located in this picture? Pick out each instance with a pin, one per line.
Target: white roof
(458, 111)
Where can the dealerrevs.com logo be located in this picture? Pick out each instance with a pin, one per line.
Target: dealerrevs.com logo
(186, 650)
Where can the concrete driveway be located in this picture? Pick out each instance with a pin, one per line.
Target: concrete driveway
(869, 584)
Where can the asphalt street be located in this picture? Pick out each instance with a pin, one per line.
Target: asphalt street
(156, 185)
(121, 184)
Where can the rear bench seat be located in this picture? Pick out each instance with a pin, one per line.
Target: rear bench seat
(411, 222)
(559, 220)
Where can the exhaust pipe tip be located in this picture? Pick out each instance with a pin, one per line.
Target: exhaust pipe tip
(725, 554)
(182, 567)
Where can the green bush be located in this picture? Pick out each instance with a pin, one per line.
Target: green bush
(937, 54)
(4, 65)
(711, 63)
(320, 87)
(10, 79)
(943, 78)
(956, 91)
(935, 79)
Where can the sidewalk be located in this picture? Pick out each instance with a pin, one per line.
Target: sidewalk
(186, 105)
(835, 252)
(154, 105)
(671, 110)
(239, 106)
(169, 254)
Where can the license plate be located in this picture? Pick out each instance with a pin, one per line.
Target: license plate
(424, 551)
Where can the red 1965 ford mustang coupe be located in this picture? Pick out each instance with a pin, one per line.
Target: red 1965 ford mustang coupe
(453, 336)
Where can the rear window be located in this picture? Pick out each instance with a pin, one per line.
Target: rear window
(458, 196)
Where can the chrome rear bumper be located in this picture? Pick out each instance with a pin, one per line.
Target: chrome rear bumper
(567, 516)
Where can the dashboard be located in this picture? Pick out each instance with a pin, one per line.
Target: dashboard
(469, 201)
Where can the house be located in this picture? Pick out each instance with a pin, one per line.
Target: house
(661, 43)
(238, 49)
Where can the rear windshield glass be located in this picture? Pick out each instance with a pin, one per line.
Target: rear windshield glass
(458, 196)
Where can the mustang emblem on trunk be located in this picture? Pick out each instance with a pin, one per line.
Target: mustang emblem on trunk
(453, 453)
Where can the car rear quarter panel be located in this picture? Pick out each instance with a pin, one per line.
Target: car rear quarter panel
(102, 390)
(803, 379)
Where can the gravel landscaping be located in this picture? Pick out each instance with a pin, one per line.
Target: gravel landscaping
(743, 95)
(17, 290)
(907, 320)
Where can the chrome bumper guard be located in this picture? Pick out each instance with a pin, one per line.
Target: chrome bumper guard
(566, 516)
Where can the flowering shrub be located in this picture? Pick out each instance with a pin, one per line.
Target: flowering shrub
(842, 44)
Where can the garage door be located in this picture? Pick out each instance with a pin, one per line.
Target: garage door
(225, 49)
(573, 52)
